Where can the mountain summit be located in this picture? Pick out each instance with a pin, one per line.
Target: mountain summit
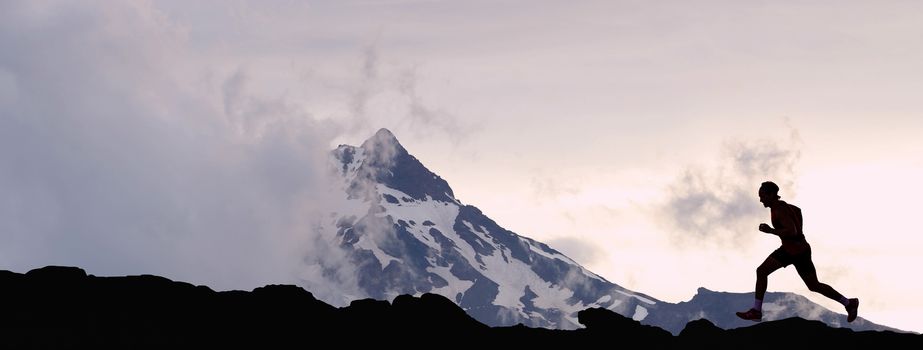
(406, 233)
(383, 160)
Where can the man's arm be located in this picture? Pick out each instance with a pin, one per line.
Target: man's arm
(784, 225)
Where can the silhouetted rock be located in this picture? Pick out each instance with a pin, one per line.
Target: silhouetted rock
(63, 307)
(700, 328)
(701, 333)
(794, 332)
(57, 274)
(435, 313)
(600, 320)
(368, 314)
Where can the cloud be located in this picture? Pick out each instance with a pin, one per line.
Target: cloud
(117, 156)
(134, 140)
(581, 251)
(546, 187)
(718, 205)
(422, 116)
(389, 96)
(364, 88)
(131, 142)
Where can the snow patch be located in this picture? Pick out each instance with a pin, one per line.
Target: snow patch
(441, 215)
(538, 250)
(642, 299)
(640, 313)
(571, 319)
(773, 307)
(455, 285)
(535, 247)
(483, 234)
(514, 276)
(384, 258)
(352, 168)
(591, 274)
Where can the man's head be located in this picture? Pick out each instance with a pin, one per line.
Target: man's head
(769, 193)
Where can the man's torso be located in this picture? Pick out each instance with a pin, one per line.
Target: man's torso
(788, 217)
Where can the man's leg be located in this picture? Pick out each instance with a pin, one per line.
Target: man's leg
(809, 275)
(762, 281)
(768, 266)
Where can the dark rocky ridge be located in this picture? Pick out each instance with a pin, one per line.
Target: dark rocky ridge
(63, 307)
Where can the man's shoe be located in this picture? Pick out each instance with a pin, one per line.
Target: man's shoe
(752, 315)
(852, 309)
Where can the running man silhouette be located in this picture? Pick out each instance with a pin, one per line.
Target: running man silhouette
(795, 250)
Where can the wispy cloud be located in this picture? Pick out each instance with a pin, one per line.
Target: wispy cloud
(719, 205)
(364, 89)
(584, 252)
(547, 187)
(115, 158)
(136, 142)
(389, 96)
(423, 117)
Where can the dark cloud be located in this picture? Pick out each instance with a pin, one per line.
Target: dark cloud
(719, 205)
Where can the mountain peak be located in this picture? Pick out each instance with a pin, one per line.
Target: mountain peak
(385, 133)
(383, 142)
(384, 161)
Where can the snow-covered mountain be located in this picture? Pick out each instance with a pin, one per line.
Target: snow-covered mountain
(408, 234)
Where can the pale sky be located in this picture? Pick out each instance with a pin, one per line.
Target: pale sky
(631, 135)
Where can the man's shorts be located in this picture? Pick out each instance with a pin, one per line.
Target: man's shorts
(787, 258)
